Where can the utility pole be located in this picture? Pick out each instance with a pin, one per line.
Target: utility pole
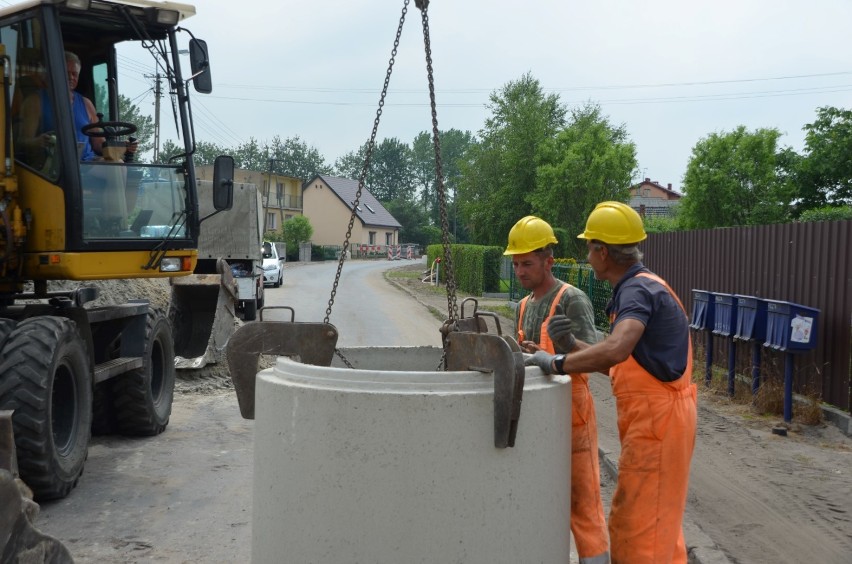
(157, 94)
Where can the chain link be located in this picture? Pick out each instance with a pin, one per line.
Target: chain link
(452, 305)
(367, 157)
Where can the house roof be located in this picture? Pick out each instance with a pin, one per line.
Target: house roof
(370, 211)
(649, 182)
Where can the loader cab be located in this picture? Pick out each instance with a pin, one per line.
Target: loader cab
(86, 191)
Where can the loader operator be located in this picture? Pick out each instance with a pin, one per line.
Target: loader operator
(39, 120)
(530, 246)
(649, 358)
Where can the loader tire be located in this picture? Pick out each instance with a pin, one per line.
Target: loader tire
(6, 327)
(47, 381)
(142, 398)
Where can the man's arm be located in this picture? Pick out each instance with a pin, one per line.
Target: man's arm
(609, 352)
(96, 142)
(579, 310)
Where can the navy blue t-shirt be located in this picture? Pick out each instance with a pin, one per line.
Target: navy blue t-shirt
(663, 348)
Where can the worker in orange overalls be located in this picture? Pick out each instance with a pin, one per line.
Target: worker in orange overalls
(530, 246)
(648, 355)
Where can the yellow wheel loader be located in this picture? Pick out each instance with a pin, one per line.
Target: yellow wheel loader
(77, 204)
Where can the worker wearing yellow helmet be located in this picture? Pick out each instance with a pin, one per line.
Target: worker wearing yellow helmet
(530, 245)
(648, 356)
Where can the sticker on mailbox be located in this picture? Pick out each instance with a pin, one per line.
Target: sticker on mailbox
(801, 329)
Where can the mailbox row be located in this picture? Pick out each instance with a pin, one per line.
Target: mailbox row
(783, 326)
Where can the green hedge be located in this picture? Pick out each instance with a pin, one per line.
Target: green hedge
(477, 268)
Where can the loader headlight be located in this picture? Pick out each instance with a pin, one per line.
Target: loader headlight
(170, 264)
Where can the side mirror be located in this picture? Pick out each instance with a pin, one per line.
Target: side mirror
(223, 183)
(199, 62)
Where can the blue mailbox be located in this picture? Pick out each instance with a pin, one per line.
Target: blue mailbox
(703, 308)
(724, 325)
(751, 326)
(702, 311)
(725, 321)
(751, 319)
(790, 327)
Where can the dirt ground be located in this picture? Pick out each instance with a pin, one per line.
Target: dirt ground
(759, 496)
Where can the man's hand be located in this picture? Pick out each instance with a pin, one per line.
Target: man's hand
(561, 331)
(543, 360)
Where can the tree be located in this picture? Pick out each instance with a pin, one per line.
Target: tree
(296, 158)
(390, 175)
(129, 112)
(391, 171)
(825, 172)
(412, 219)
(732, 179)
(454, 145)
(251, 156)
(295, 231)
(588, 162)
(499, 172)
(205, 152)
(351, 164)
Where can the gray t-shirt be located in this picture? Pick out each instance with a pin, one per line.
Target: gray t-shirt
(575, 304)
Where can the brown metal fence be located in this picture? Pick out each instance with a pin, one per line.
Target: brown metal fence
(804, 263)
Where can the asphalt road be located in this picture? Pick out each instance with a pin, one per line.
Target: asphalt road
(185, 496)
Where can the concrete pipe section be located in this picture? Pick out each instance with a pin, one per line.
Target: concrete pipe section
(395, 462)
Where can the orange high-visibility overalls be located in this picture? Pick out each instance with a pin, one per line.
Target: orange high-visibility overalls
(588, 522)
(656, 424)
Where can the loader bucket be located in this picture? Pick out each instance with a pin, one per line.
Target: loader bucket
(202, 317)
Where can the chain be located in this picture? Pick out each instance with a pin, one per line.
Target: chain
(452, 305)
(368, 155)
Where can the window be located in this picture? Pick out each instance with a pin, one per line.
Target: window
(369, 208)
(388, 238)
(372, 238)
(270, 222)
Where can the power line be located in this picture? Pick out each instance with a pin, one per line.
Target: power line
(561, 89)
(688, 98)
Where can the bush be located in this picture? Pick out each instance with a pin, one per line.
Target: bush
(660, 224)
(477, 267)
(827, 213)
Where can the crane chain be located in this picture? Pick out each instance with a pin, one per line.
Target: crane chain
(452, 305)
(367, 156)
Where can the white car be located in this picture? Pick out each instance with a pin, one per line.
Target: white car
(273, 264)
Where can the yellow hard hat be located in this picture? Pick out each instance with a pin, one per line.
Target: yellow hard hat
(529, 234)
(614, 223)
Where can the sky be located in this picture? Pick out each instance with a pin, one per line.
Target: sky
(671, 71)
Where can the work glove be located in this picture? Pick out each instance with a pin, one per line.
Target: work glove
(561, 331)
(542, 359)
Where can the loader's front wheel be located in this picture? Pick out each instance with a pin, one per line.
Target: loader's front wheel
(47, 381)
(142, 399)
(6, 327)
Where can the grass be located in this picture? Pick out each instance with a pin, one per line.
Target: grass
(769, 399)
(403, 274)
